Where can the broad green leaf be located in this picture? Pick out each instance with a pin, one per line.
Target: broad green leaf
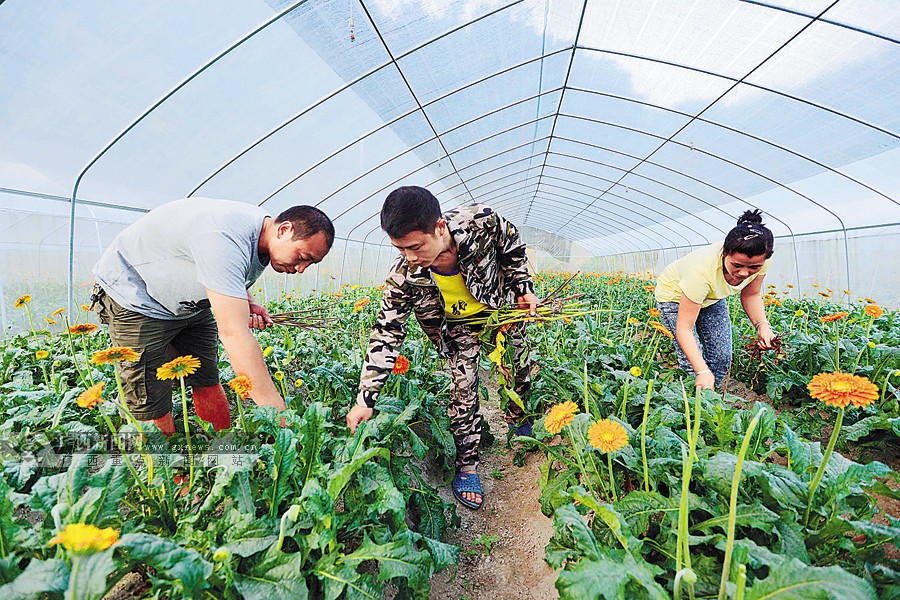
(342, 580)
(571, 539)
(38, 578)
(427, 512)
(746, 515)
(607, 515)
(183, 567)
(864, 427)
(101, 502)
(88, 574)
(794, 580)
(611, 576)
(312, 440)
(341, 478)
(638, 507)
(284, 459)
(442, 555)
(397, 560)
(7, 528)
(279, 578)
(245, 535)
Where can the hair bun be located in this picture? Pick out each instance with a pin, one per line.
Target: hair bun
(750, 217)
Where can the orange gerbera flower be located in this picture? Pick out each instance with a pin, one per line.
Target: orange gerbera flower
(401, 366)
(833, 317)
(840, 389)
(57, 312)
(82, 329)
(86, 307)
(607, 436)
(360, 304)
(654, 312)
(114, 355)
(241, 385)
(22, 300)
(178, 368)
(560, 416)
(873, 310)
(91, 397)
(49, 321)
(660, 328)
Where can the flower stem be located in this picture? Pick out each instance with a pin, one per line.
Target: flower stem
(612, 479)
(187, 435)
(644, 437)
(821, 470)
(732, 505)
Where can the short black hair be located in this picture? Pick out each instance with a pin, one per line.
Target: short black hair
(307, 222)
(407, 209)
(750, 237)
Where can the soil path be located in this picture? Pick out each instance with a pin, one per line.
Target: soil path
(515, 567)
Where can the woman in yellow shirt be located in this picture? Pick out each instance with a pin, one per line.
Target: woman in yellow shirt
(691, 292)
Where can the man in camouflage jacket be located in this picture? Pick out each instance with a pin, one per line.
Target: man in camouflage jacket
(488, 253)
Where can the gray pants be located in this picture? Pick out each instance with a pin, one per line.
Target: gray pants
(712, 332)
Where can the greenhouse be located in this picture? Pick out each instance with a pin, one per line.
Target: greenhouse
(546, 299)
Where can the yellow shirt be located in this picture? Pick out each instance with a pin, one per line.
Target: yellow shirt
(458, 300)
(700, 277)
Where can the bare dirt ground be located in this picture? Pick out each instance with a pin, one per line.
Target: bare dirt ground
(515, 567)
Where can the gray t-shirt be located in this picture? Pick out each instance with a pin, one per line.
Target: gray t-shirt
(161, 265)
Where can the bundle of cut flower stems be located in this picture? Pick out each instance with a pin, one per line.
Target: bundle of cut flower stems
(550, 308)
(310, 318)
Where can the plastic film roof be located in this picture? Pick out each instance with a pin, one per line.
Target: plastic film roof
(619, 126)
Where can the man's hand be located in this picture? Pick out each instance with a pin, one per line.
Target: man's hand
(529, 301)
(357, 415)
(259, 316)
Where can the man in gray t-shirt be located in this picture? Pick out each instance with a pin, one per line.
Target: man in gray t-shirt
(163, 278)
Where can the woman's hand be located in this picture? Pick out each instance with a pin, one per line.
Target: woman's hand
(765, 334)
(705, 380)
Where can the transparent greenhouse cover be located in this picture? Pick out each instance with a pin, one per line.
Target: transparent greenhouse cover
(615, 134)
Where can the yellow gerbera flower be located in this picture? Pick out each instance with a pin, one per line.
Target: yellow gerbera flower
(241, 385)
(560, 416)
(840, 389)
(178, 368)
(41, 354)
(114, 355)
(91, 397)
(86, 307)
(635, 371)
(278, 375)
(49, 321)
(799, 312)
(82, 538)
(22, 300)
(607, 435)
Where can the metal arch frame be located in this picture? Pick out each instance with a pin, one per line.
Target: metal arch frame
(563, 95)
(670, 140)
(586, 232)
(405, 152)
(516, 194)
(630, 201)
(361, 78)
(670, 63)
(567, 189)
(742, 133)
(639, 191)
(595, 219)
(143, 115)
(692, 178)
(829, 21)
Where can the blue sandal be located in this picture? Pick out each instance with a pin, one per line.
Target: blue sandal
(467, 482)
(525, 429)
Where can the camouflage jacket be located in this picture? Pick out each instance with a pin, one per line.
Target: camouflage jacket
(490, 257)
